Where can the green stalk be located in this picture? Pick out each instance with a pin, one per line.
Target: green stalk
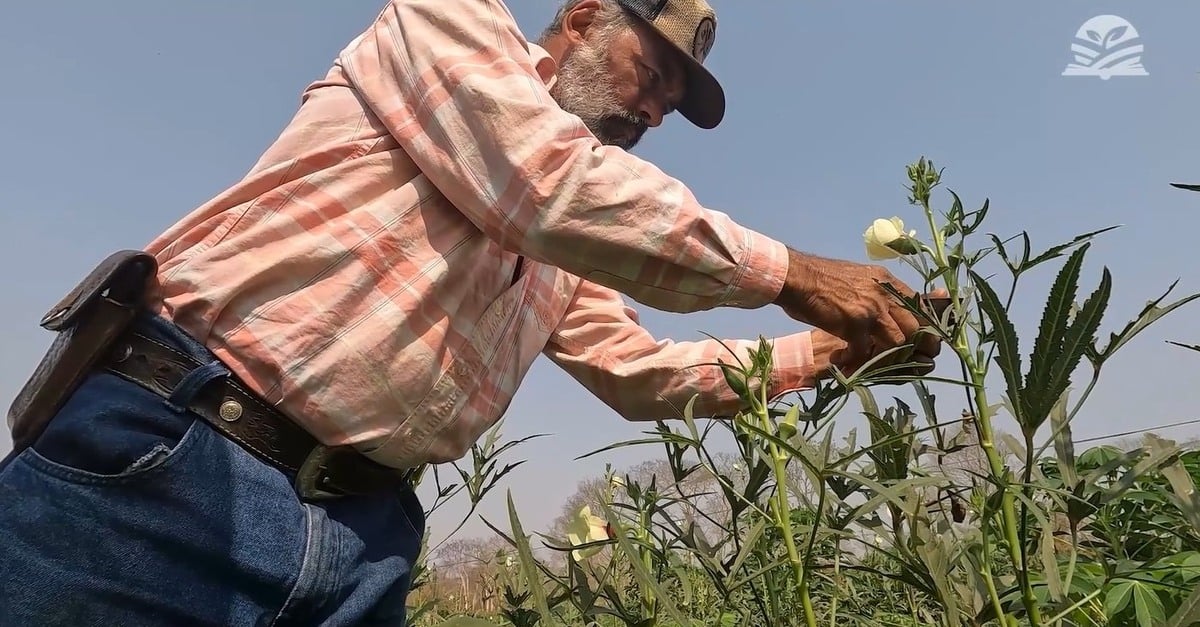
(983, 422)
(1071, 563)
(783, 520)
(782, 512)
(812, 543)
(648, 600)
(1008, 512)
(985, 561)
(837, 582)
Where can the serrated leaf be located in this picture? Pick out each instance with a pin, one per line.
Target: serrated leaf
(749, 545)
(1008, 355)
(1079, 336)
(1003, 252)
(1149, 314)
(1059, 249)
(978, 215)
(1047, 347)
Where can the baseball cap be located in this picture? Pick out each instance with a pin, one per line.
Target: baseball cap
(690, 26)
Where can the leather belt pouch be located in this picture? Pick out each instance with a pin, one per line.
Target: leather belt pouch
(86, 322)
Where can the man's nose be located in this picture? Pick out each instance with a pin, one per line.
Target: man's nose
(652, 112)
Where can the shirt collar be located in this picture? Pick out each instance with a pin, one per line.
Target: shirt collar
(546, 66)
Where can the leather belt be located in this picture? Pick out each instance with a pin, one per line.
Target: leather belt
(318, 471)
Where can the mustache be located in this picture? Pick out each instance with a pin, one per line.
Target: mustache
(623, 123)
(628, 118)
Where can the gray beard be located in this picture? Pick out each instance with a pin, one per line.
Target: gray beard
(585, 89)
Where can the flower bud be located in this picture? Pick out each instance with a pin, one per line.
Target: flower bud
(787, 427)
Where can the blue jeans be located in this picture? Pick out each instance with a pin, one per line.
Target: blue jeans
(127, 511)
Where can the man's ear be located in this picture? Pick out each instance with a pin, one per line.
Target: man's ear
(578, 20)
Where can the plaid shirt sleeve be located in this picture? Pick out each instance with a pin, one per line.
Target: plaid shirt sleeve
(600, 343)
(452, 81)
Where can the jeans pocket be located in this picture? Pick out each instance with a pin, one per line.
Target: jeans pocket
(112, 431)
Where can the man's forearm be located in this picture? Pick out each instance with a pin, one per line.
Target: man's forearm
(600, 342)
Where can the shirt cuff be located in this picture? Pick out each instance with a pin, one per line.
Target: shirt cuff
(792, 357)
(763, 274)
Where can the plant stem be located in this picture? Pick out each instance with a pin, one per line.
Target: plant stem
(1008, 513)
(782, 511)
(812, 543)
(648, 600)
(837, 582)
(1071, 563)
(783, 520)
(939, 243)
(1027, 489)
(986, 434)
(985, 567)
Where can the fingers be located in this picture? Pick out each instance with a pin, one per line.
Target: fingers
(893, 330)
(857, 303)
(849, 357)
(935, 303)
(922, 365)
(898, 326)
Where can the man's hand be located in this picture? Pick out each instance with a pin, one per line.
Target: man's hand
(832, 351)
(846, 300)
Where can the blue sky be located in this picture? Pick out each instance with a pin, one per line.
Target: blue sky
(120, 118)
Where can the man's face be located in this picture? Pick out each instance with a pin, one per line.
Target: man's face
(619, 81)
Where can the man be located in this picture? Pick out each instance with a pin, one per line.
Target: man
(449, 202)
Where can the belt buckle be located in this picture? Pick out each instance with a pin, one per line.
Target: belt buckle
(312, 474)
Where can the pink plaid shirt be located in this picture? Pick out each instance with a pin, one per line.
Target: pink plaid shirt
(429, 223)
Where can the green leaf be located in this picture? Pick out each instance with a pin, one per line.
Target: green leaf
(1147, 605)
(1080, 335)
(749, 544)
(1047, 348)
(1050, 563)
(1186, 493)
(1057, 251)
(1149, 314)
(528, 566)
(1188, 613)
(1117, 598)
(1008, 356)
(978, 216)
(467, 621)
(1064, 446)
(641, 572)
